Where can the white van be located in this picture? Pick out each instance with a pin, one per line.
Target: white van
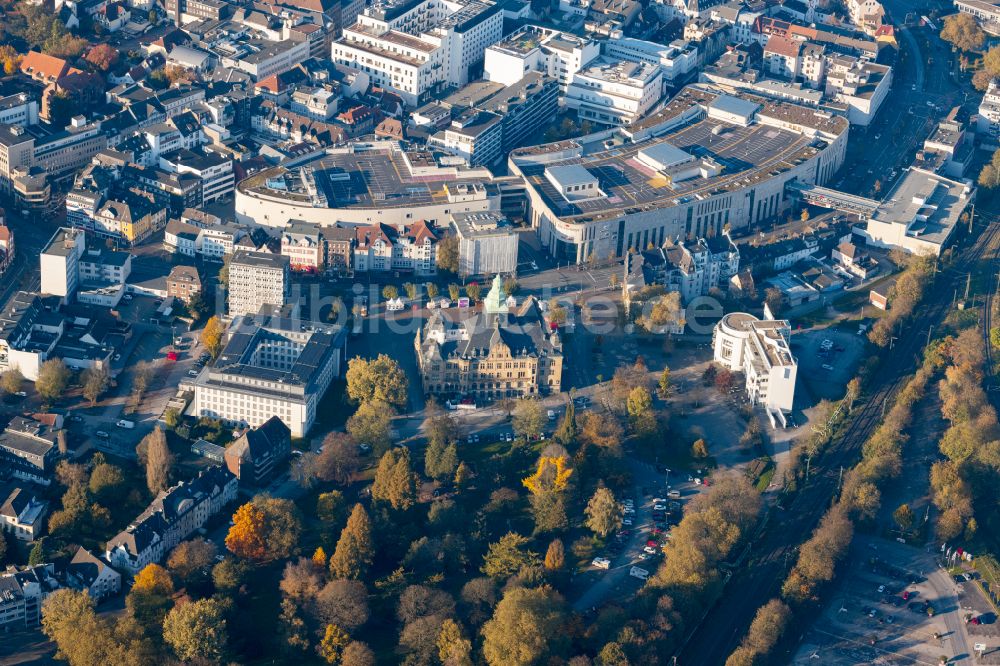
(638, 572)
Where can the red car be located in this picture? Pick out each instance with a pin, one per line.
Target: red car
(171, 356)
(652, 543)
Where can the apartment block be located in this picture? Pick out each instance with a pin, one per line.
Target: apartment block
(256, 280)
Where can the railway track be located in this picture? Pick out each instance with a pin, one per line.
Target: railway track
(722, 628)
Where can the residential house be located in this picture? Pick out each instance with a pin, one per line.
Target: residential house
(22, 513)
(183, 282)
(174, 515)
(88, 572)
(255, 455)
(408, 248)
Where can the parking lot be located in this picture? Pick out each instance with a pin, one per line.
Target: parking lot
(826, 367)
(894, 605)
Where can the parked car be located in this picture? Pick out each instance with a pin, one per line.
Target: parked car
(827, 367)
(21, 394)
(659, 507)
(123, 423)
(102, 435)
(674, 494)
(601, 563)
(650, 550)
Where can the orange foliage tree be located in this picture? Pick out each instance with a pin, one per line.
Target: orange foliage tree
(246, 537)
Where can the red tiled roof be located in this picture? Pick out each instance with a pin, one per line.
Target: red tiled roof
(783, 46)
(45, 67)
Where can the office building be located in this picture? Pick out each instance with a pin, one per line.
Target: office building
(270, 366)
(256, 280)
(920, 213)
(666, 179)
(487, 243)
(759, 349)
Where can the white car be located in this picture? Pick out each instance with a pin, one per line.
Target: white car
(649, 550)
(659, 507)
(627, 522)
(674, 494)
(827, 367)
(638, 572)
(601, 563)
(659, 500)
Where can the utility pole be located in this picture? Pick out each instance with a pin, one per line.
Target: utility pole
(972, 216)
(929, 329)
(968, 286)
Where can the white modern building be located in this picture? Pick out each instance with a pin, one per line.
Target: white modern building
(487, 243)
(72, 270)
(666, 179)
(614, 92)
(412, 47)
(257, 279)
(759, 349)
(920, 214)
(536, 49)
(988, 120)
(677, 60)
(270, 367)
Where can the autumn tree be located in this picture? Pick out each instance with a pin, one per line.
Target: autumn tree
(555, 556)
(602, 431)
(663, 313)
(197, 631)
(640, 412)
(454, 649)
(547, 486)
(473, 291)
(211, 335)
(565, 434)
(699, 450)
(82, 637)
(190, 559)
(354, 551)
(95, 383)
(53, 378)
(390, 292)
(603, 515)
(381, 379)
(338, 460)
(150, 598)
(334, 641)
(775, 300)
(159, 460)
(508, 556)
(10, 59)
(963, 32)
(447, 254)
(371, 426)
(395, 483)
(663, 385)
(11, 380)
(529, 418)
(903, 516)
(103, 57)
(264, 529)
(342, 602)
(524, 628)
